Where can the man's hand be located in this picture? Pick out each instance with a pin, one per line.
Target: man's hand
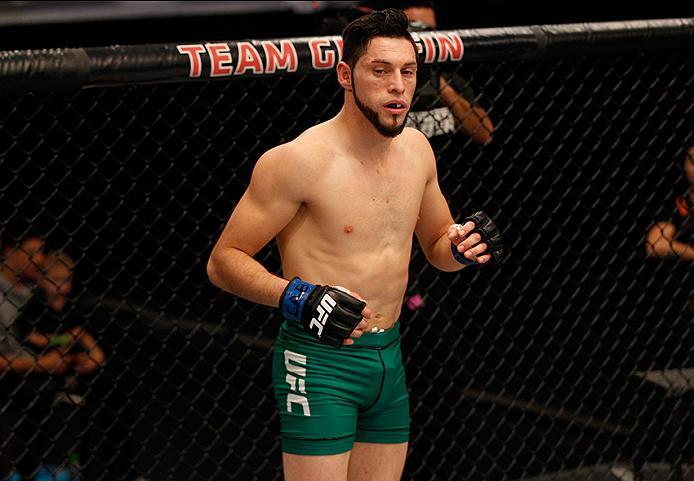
(476, 241)
(93, 356)
(330, 314)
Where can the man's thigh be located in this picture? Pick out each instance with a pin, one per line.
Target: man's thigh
(319, 392)
(377, 462)
(315, 468)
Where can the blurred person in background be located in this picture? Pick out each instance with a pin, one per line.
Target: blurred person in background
(55, 320)
(670, 249)
(23, 261)
(672, 235)
(444, 101)
(21, 269)
(46, 354)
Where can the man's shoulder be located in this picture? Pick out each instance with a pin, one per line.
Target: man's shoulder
(415, 146)
(317, 141)
(309, 146)
(299, 150)
(294, 163)
(415, 141)
(412, 134)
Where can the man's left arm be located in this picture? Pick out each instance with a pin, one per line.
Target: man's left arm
(439, 236)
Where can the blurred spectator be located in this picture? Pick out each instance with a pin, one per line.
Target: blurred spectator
(670, 248)
(46, 351)
(672, 235)
(21, 269)
(58, 323)
(444, 101)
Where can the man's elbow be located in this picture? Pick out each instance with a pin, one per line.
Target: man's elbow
(660, 248)
(659, 240)
(652, 245)
(483, 136)
(213, 270)
(481, 133)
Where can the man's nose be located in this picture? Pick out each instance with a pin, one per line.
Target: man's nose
(397, 84)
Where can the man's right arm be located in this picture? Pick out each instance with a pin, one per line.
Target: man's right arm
(52, 362)
(271, 200)
(278, 187)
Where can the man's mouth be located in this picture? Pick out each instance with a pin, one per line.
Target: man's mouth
(396, 107)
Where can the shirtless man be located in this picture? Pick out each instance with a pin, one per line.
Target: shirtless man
(343, 200)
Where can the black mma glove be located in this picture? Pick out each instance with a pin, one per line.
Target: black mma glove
(327, 313)
(487, 230)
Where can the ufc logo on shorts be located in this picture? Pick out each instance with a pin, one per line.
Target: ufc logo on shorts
(324, 309)
(295, 363)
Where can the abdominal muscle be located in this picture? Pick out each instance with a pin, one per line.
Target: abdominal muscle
(378, 275)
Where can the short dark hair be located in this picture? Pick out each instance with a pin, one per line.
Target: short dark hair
(390, 23)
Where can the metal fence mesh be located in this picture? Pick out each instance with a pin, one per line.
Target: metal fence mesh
(529, 369)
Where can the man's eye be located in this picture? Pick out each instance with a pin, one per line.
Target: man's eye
(380, 71)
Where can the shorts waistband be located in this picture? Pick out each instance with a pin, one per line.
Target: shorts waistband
(368, 340)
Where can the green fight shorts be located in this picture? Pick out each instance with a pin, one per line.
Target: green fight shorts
(329, 398)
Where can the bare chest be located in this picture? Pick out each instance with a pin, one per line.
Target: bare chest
(377, 206)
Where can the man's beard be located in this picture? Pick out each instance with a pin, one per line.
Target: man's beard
(372, 116)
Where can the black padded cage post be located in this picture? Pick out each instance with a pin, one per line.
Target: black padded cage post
(570, 360)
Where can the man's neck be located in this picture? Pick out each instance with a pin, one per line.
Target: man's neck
(361, 135)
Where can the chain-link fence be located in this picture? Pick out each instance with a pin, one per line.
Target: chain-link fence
(568, 361)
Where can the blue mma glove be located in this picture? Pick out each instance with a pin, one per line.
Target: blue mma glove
(327, 313)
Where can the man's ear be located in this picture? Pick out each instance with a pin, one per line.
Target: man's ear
(344, 76)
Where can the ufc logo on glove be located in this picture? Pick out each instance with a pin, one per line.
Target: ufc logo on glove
(323, 311)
